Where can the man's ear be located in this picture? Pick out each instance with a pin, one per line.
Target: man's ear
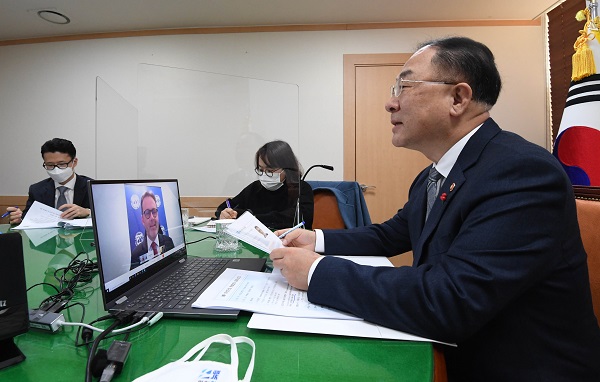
(462, 97)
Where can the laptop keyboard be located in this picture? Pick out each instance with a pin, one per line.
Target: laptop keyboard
(180, 288)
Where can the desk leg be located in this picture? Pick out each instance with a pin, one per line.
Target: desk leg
(439, 364)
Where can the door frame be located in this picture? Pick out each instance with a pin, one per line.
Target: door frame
(351, 62)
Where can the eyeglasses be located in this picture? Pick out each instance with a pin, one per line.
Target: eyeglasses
(149, 211)
(51, 167)
(400, 84)
(269, 172)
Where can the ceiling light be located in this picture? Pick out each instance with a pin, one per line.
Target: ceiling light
(53, 17)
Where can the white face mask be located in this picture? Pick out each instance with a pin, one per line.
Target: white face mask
(271, 183)
(60, 175)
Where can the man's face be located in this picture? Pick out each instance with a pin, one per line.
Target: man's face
(151, 222)
(57, 158)
(419, 115)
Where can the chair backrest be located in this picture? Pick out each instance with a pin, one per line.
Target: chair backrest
(327, 213)
(351, 202)
(588, 215)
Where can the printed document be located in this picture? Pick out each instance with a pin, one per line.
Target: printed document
(336, 327)
(262, 293)
(249, 229)
(350, 328)
(43, 216)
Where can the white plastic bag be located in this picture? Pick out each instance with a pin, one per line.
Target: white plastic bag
(197, 370)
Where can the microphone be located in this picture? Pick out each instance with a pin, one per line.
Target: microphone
(325, 166)
(298, 217)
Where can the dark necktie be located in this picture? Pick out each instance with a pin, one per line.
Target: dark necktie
(62, 199)
(432, 189)
(154, 248)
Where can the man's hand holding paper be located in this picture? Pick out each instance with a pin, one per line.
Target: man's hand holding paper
(300, 238)
(249, 229)
(296, 258)
(293, 262)
(43, 216)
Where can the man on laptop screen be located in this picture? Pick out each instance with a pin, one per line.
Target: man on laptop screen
(126, 234)
(153, 243)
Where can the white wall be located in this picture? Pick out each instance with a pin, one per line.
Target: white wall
(47, 90)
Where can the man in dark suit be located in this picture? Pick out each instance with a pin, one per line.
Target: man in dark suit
(154, 243)
(499, 267)
(64, 189)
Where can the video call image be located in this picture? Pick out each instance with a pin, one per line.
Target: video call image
(137, 225)
(148, 229)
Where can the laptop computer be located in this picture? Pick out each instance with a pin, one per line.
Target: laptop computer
(141, 250)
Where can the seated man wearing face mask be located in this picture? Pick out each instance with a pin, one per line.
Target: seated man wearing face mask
(272, 198)
(64, 190)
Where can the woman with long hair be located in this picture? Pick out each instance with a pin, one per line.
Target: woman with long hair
(273, 197)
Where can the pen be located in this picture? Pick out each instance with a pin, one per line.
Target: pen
(228, 203)
(8, 213)
(291, 229)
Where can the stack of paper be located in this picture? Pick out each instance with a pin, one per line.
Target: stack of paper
(42, 216)
(263, 293)
(278, 306)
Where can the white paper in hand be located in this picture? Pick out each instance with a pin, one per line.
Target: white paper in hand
(249, 229)
(43, 216)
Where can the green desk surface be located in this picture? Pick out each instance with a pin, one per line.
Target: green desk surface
(280, 356)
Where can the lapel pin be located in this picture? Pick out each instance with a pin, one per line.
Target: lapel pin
(452, 186)
(443, 196)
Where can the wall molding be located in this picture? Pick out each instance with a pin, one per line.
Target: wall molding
(275, 28)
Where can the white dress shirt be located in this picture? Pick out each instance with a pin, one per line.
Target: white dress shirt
(69, 193)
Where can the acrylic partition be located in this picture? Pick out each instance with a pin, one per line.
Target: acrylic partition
(116, 134)
(198, 127)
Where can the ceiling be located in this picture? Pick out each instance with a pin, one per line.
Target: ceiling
(19, 20)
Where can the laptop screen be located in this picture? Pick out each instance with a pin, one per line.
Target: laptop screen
(138, 231)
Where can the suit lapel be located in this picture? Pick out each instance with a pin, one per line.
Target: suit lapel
(48, 193)
(145, 244)
(454, 181)
(79, 190)
(420, 197)
(451, 187)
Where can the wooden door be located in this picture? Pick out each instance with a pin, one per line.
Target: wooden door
(369, 156)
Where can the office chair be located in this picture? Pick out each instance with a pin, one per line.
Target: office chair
(351, 204)
(588, 215)
(326, 211)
